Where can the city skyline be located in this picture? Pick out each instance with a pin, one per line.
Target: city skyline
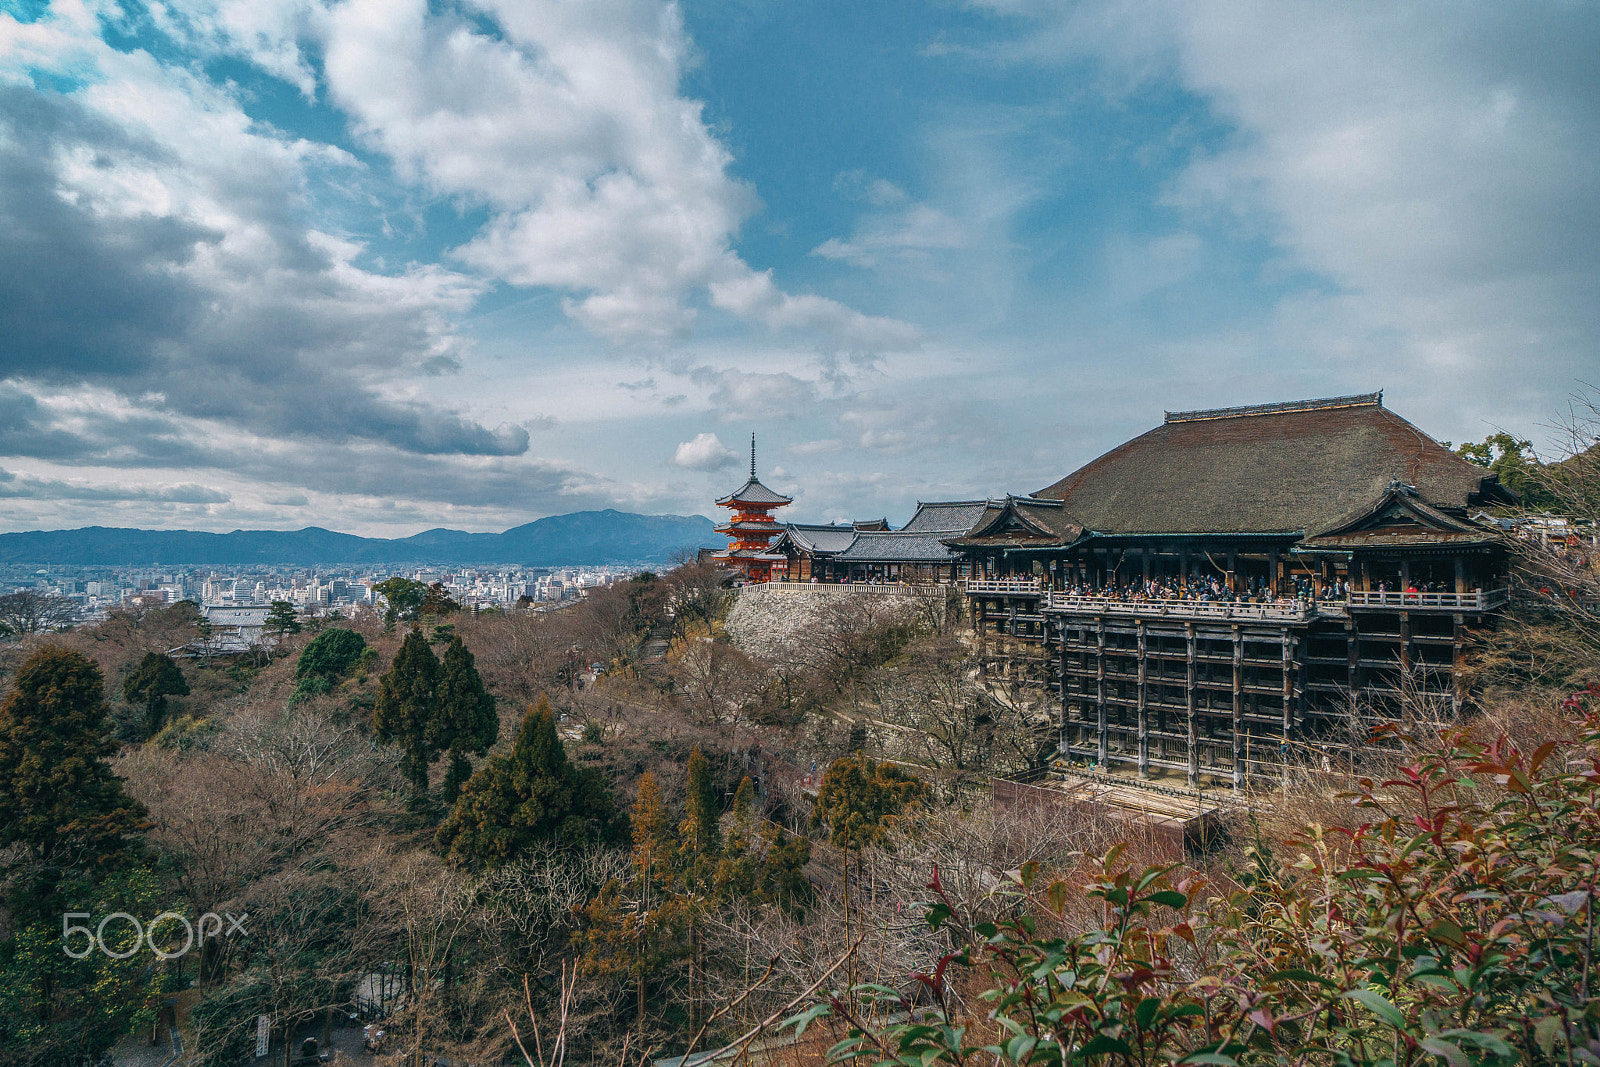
(383, 266)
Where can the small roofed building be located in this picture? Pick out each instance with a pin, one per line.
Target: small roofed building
(898, 557)
(751, 528)
(809, 550)
(870, 551)
(1216, 595)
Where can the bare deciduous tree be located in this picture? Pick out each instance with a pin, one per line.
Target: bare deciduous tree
(29, 611)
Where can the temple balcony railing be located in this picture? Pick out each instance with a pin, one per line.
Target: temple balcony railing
(1281, 611)
(1393, 600)
(1003, 586)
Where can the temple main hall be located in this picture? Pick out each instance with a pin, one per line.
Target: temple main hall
(1233, 590)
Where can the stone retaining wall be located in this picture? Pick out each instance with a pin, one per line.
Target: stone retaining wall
(772, 621)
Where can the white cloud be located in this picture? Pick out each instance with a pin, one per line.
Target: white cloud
(911, 234)
(705, 453)
(602, 180)
(1438, 165)
(752, 295)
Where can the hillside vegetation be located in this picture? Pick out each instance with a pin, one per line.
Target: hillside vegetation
(451, 821)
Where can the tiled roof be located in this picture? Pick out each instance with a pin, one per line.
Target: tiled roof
(753, 492)
(1021, 520)
(898, 547)
(945, 516)
(1281, 468)
(819, 538)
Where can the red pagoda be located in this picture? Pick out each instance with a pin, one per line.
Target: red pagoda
(750, 530)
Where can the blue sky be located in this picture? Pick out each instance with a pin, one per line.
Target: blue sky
(382, 265)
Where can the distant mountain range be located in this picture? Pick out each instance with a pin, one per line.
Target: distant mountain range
(582, 538)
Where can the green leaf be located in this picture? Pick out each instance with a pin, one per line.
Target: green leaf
(1297, 974)
(1376, 1003)
(805, 1018)
(1451, 1054)
(1102, 1043)
(1170, 897)
(1545, 1031)
(1216, 1058)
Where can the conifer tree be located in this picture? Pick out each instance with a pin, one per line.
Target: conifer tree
(156, 678)
(464, 719)
(330, 654)
(653, 845)
(60, 803)
(736, 870)
(406, 698)
(701, 832)
(281, 619)
(531, 795)
(782, 880)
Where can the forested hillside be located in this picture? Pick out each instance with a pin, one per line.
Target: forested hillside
(453, 827)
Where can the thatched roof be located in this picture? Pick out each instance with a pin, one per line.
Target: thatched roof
(1296, 468)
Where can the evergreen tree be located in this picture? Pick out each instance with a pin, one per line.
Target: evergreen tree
(653, 845)
(436, 600)
(531, 795)
(859, 800)
(330, 654)
(782, 879)
(403, 598)
(405, 706)
(156, 678)
(700, 830)
(464, 719)
(281, 619)
(60, 802)
(736, 869)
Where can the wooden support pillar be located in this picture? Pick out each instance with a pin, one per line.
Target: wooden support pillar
(1288, 702)
(1188, 706)
(1272, 572)
(1238, 710)
(1064, 743)
(1144, 710)
(1144, 556)
(1102, 748)
(1353, 649)
(1461, 575)
(1233, 562)
(1405, 641)
(1458, 657)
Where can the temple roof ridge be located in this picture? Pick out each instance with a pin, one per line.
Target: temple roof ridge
(1355, 400)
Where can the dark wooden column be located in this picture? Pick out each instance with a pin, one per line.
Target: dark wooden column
(1272, 571)
(1288, 701)
(1458, 654)
(1238, 710)
(1352, 637)
(1188, 705)
(1064, 744)
(1144, 710)
(1102, 749)
(1233, 562)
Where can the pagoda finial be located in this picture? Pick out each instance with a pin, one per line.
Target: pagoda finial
(752, 454)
